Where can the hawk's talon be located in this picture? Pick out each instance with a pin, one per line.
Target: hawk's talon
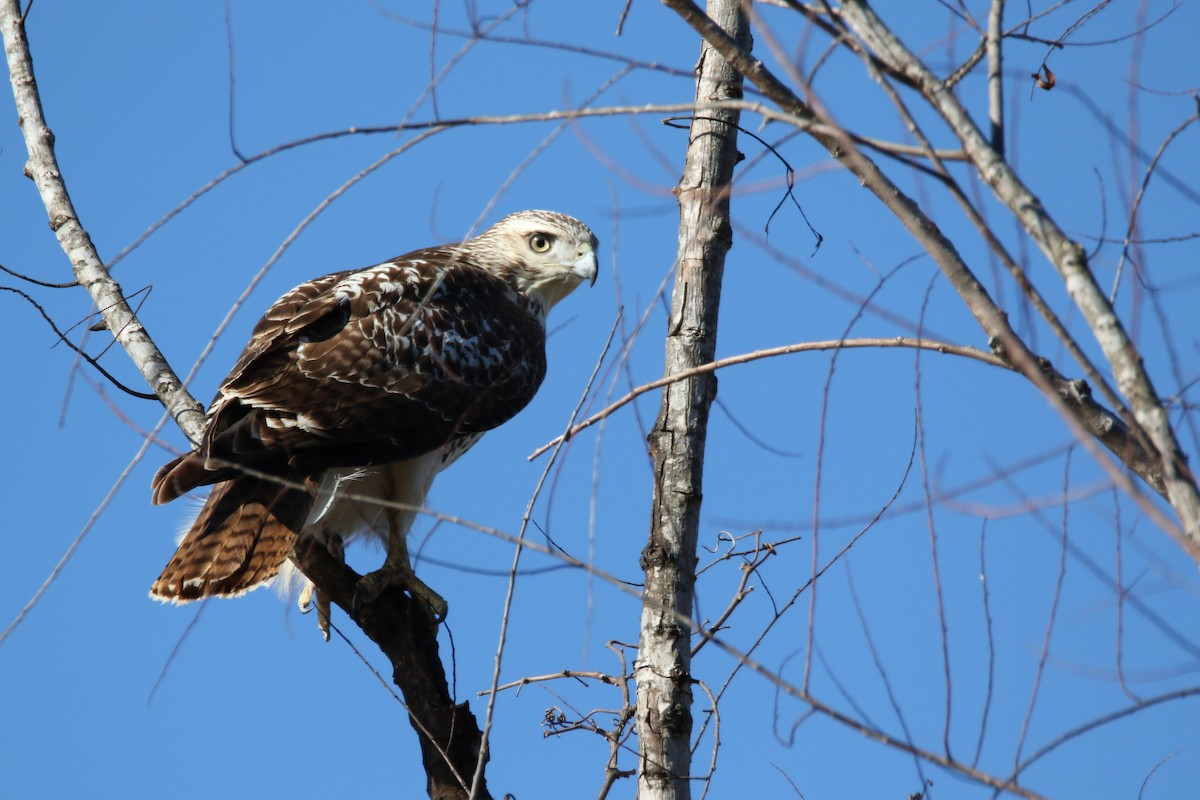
(310, 596)
(323, 614)
(362, 594)
(304, 601)
(436, 612)
(371, 585)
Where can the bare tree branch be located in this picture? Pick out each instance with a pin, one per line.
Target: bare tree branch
(1067, 256)
(691, 626)
(1071, 259)
(42, 168)
(448, 733)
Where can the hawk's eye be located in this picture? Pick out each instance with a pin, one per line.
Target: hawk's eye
(540, 242)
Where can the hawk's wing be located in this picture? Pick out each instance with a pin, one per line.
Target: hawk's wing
(370, 366)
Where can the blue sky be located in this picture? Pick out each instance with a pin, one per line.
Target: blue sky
(106, 693)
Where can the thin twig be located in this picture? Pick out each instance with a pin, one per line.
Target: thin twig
(881, 670)
(521, 544)
(931, 527)
(1129, 237)
(1101, 721)
(62, 337)
(84, 531)
(745, 358)
(1050, 621)
(985, 602)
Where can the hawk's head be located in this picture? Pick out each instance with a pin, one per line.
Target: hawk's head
(544, 254)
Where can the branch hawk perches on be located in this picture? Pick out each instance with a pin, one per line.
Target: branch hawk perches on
(363, 385)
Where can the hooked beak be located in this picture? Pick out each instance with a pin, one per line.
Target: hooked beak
(586, 267)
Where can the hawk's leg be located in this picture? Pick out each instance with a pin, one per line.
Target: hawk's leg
(337, 549)
(397, 571)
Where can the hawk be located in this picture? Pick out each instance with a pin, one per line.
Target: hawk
(359, 387)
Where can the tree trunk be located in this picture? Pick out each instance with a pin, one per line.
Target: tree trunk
(664, 681)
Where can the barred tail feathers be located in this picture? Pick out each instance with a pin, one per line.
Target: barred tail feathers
(240, 539)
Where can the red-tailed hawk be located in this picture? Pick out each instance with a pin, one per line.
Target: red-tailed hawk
(360, 386)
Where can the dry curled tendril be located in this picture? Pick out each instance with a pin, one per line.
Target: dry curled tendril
(1044, 78)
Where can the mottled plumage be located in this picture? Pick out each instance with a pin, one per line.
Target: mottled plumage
(367, 382)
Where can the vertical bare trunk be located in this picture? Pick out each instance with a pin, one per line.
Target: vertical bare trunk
(664, 683)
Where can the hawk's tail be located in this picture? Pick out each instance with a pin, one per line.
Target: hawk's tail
(240, 539)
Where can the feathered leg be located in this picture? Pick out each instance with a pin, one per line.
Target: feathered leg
(397, 569)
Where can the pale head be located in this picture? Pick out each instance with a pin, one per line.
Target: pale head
(543, 254)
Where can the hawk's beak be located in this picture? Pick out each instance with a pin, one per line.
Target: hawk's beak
(586, 267)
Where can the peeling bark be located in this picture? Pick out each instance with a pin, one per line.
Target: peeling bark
(663, 672)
